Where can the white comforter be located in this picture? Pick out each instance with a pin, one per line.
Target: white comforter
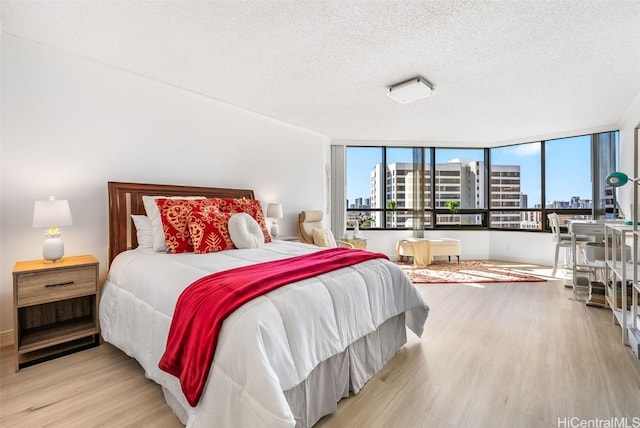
(267, 346)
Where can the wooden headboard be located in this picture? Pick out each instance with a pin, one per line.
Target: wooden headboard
(126, 199)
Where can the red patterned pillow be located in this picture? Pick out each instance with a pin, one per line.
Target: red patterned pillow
(249, 206)
(174, 214)
(207, 205)
(209, 231)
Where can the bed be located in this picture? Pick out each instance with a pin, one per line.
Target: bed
(283, 359)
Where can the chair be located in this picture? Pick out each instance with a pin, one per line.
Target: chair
(322, 237)
(562, 240)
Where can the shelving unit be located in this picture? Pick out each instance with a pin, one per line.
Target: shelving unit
(625, 269)
(617, 248)
(633, 331)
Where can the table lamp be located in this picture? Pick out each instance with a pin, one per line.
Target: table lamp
(52, 213)
(274, 211)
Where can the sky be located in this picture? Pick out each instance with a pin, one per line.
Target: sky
(568, 163)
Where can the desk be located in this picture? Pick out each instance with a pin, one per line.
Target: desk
(592, 228)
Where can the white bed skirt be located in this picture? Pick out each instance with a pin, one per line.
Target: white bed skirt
(336, 377)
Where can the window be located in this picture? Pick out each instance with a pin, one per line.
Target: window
(568, 173)
(508, 187)
(458, 187)
(605, 146)
(364, 186)
(568, 186)
(400, 198)
(515, 187)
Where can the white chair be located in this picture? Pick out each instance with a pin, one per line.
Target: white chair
(562, 240)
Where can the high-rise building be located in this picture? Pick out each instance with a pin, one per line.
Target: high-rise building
(459, 180)
(506, 192)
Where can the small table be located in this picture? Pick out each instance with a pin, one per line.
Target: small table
(286, 238)
(360, 243)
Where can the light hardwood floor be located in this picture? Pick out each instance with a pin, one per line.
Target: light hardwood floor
(494, 355)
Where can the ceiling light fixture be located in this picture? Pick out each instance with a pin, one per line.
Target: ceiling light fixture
(411, 90)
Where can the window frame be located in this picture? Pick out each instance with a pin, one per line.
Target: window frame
(431, 213)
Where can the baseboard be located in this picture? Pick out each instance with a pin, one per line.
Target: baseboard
(6, 338)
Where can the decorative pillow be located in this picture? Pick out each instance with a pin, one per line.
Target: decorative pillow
(323, 238)
(174, 214)
(249, 206)
(245, 231)
(153, 214)
(209, 231)
(143, 230)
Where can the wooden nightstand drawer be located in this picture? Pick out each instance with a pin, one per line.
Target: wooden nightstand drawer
(42, 287)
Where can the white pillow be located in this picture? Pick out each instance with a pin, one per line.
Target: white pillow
(245, 231)
(153, 213)
(323, 238)
(144, 231)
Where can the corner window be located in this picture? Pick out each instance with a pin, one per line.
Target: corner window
(508, 187)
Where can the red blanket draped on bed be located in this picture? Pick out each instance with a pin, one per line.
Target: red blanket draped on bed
(203, 306)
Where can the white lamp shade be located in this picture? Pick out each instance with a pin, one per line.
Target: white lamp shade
(51, 213)
(274, 210)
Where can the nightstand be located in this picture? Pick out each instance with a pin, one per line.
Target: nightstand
(55, 308)
(287, 238)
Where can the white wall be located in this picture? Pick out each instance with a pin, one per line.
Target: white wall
(474, 243)
(70, 125)
(525, 247)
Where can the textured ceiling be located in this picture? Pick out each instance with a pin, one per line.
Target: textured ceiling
(501, 70)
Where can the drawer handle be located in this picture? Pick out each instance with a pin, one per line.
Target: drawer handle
(60, 284)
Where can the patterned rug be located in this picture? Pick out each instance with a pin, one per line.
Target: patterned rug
(468, 271)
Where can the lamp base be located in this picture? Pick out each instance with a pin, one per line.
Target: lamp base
(53, 250)
(275, 230)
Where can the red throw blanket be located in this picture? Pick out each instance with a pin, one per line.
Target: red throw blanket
(204, 305)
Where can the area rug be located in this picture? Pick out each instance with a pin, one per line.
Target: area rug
(468, 271)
